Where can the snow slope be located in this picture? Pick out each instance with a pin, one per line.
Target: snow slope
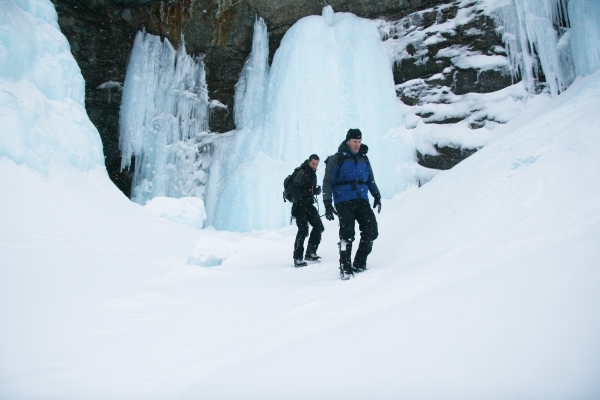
(483, 283)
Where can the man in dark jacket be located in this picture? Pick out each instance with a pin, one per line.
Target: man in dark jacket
(303, 189)
(349, 178)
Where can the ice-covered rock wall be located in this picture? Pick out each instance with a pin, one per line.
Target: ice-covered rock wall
(164, 115)
(551, 40)
(330, 73)
(43, 122)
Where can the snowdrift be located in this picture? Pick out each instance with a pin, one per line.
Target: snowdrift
(483, 283)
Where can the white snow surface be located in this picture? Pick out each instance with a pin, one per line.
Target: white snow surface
(185, 210)
(482, 284)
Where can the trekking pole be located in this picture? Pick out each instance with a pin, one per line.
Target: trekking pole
(318, 208)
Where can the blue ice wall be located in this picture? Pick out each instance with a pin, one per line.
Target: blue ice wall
(330, 73)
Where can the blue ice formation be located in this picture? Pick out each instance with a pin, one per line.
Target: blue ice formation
(43, 119)
(584, 16)
(330, 73)
(164, 112)
(564, 35)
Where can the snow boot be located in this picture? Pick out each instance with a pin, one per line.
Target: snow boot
(299, 263)
(360, 259)
(345, 264)
(311, 251)
(312, 258)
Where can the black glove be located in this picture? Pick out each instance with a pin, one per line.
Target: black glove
(377, 204)
(329, 210)
(317, 190)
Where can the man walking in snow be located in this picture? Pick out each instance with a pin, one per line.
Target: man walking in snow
(303, 188)
(349, 178)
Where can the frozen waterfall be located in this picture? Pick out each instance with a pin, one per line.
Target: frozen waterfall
(249, 101)
(551, 40)
(43, 122)
(164, 113)
(585, 35)
(330, 73)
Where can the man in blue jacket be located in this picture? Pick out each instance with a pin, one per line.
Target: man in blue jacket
(348, 179)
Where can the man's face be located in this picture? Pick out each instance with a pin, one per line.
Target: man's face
(354, 144)
(314, 163)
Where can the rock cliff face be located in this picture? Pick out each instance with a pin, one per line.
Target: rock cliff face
(101, 33)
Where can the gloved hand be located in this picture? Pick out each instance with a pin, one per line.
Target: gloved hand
(317, 190)
(329, 210)
(377, 204)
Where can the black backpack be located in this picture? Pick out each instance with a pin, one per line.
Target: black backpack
(287, 195)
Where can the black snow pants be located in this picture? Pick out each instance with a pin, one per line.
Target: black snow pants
(350, 212)
(306, 213)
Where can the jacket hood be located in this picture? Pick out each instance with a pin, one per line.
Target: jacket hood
(343, 148)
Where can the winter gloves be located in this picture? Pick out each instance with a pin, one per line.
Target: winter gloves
(317, 190)
(377, 204)
(329, 210)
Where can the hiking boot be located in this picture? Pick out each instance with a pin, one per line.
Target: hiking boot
(312, 258)
(299, 264)
(345, 275)
(345, 263)
(360, 259)
(357, 269)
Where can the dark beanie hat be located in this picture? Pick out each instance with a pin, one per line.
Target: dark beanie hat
(353, 134)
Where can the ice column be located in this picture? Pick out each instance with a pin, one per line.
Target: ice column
(164, 111)
(330, 73)
(564, 35)
(584, 16)
(529, 31)
(249, 102)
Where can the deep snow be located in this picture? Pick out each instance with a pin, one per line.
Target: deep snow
(482, 284)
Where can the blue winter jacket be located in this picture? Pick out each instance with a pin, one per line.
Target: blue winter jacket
(351, 178)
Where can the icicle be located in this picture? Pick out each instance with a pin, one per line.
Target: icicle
(584, 16)
(164, 108)
(529, 35)
(250, 90)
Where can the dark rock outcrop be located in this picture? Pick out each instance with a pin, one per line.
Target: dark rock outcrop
(101, 34)
(446, 158)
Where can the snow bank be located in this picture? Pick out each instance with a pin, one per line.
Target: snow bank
(482, 284)
(43, 122)
(185, 210)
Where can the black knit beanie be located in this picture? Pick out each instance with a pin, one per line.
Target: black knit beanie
(353, 134)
